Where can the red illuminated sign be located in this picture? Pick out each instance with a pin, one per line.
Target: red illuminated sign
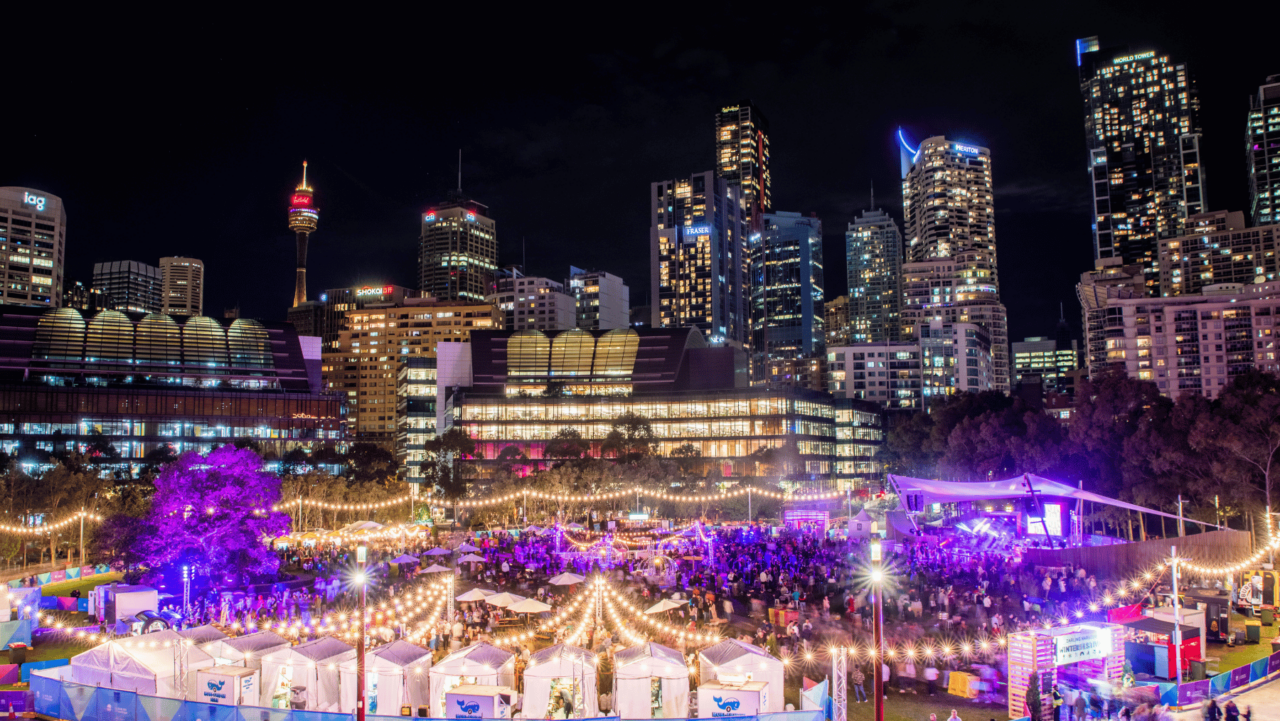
(302, 200)
(386, 290)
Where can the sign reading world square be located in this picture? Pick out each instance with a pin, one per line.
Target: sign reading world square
(1082, 645)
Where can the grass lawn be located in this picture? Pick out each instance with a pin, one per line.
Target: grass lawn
(81, 584)
(1230, 658)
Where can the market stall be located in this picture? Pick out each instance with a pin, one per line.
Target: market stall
(147, 665)
(733, 661)
(480, 663)
(247, 650)
(304, 676)
(1085, 651)
(564, 676)
(650, 681)
(203, 636)
(1149, 647)
(396, 675)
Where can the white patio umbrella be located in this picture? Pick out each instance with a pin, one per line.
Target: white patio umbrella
(436, 568)
(502, 600)
(665, 604)
(475, 594)
(533, 529)
(404, 558)
(438, 552)
(528, 605)
(466, 548)
(566, 579)
(575, 526)
(471, 558)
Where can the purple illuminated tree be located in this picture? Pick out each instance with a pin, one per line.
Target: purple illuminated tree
(213, 513)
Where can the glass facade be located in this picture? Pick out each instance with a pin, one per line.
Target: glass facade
(859, 435)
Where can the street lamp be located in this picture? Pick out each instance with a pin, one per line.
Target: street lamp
(877, 621)
(362, 554)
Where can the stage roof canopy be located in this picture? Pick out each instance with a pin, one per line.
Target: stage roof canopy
(957, 491)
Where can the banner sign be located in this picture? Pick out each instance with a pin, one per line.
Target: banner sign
(1081, 646)
(1194, 692)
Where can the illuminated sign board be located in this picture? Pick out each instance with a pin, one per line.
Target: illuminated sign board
(1052, 520)
(301, 199)
(697, 230)
(29, 199)
(471, 217)
(384, 290)
(968, 149)
(430, 217)
(1131, 58)
(1084, 645)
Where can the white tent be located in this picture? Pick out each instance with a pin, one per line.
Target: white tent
(635, 671)
(203, 636)
(246, 650)
(360, 526)
(732, 657)
(395, 675)
(555, 669)
(481, 663)
(860, 525)
(308, 672)
(146, 664)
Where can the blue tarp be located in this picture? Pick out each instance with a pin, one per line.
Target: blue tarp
(25, 671)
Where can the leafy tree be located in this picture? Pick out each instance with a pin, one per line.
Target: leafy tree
(1245, 428)
(160, 455)
(244, 442)
(567, 444)
(119, 539)
(213, 513)
(443, 468)
(101, 450)
(1034, 709)
(630, 439)
(70, 485)
(371, 462)
(687, 457)
(1110, 410)
(295, 461)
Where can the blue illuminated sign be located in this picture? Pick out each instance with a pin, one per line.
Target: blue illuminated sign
(697, 230)
(471, 217)
(905, 145)
(968, 149)
(324, 297)
(429, 217)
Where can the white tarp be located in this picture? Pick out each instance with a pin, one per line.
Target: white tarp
(560, 666)
(735, 658)
(956, 491)
(395, 675)
(481, 663)
(203, 636)
(145, 664)
(247, 650)
(636, 670)
(310, 668)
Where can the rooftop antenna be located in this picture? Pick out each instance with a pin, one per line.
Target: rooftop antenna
(524, 256)
(873, 195)
(1062, 313)
(459, 170)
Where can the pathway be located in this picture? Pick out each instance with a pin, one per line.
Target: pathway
(1264, 699)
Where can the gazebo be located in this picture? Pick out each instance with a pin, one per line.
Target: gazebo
(651, 681)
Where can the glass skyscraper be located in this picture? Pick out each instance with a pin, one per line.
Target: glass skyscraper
(742, 158)
(873, 254)
(1143, 133)
(1263, 145)
(787, 319)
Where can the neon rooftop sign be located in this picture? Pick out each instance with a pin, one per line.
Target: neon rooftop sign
(1130, 58)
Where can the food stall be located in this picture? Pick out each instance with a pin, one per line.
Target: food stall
(1149, 647)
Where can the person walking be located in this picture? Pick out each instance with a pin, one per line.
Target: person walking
(859, 678)
(1210, 711)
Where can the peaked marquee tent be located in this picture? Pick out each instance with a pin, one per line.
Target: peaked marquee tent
(562, 664)
(246, 650)
(636, 668)
(479, 663)
(735, 658)
(396, 675)
(146, 664)
(310, 667)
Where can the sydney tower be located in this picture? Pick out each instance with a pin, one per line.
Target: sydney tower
(303, 219)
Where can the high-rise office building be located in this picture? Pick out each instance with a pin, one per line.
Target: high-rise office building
(873, 254)
(33, 240)
(787, 321)
(952, 274)
(183, 286)
(304, 218)
(1217, 249)
(532, 303)
(604, 300)
(458, 250)
(1262, 145)
(364, 365)
(81, 297)
(1143, 133)
(131, 285)
(838, 325)
(326, 316)
(1052, 360)
(742, 158)
(698, 259)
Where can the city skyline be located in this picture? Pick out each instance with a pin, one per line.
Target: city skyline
(375, 191)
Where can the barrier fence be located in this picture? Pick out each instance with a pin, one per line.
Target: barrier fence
(69, 701)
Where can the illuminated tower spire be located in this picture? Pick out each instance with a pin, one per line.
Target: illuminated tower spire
(303, 219)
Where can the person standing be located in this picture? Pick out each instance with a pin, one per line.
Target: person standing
(859, 678)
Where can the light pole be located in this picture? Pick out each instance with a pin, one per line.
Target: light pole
(877, 621)
(361, 556)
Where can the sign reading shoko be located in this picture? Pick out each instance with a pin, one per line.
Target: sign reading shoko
(368, 290)
(1082, 645)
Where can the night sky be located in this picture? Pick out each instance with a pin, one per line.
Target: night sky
(185, 136)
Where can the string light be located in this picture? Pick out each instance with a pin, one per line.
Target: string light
(38, 530)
